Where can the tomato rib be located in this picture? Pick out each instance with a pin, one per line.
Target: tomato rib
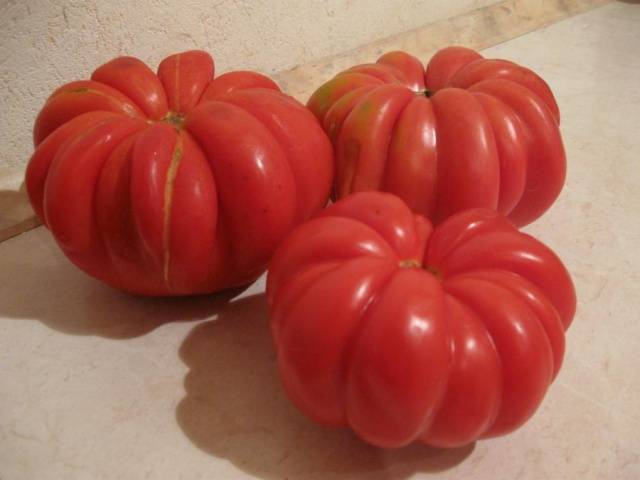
(411, 170)
(288, 122)
(70, 192)
(323, 98)
(474, 385)
(406, 67)
(400, 361)
(45, 153)
(137, 81)
(511, 139)
(365, 136)
(313, 368)
(185, 77)
(76, 98)
(544, 310)
(341, 108)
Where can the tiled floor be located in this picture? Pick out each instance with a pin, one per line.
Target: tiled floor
(95, 384)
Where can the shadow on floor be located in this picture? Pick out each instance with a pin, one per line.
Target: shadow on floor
(235, 409)
(42, 285)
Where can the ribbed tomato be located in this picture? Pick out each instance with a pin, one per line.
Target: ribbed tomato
(175, 183)
(469, 132)
(406, 332)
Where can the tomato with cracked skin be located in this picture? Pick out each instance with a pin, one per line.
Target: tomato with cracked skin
(176, 182)
(405, 332)
(468, 132)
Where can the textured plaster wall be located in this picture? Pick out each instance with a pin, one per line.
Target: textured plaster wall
(44, 43)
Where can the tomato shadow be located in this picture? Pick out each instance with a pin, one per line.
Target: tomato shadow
(235, 409)
(38, 283)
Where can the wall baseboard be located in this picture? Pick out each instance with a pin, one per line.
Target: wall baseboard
(478, 29)
(16, 214)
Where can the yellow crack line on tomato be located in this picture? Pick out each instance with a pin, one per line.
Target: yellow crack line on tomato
(82, 90)
(176, 157)
(177, 85)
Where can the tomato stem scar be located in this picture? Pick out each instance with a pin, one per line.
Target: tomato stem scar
(413, 263)
(410, 263)
(174, 119)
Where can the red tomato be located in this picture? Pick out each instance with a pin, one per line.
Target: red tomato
(406, 332)
(469, 132)
(175, 183)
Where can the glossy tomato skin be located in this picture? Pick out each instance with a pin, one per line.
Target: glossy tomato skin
(465, 132)
(405, 332)
(175, 182)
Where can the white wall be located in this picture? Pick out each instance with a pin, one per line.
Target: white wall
(44, 43)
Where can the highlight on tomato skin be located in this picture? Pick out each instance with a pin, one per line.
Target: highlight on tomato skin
(405, 332)
(464, 132)
(176, 182)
